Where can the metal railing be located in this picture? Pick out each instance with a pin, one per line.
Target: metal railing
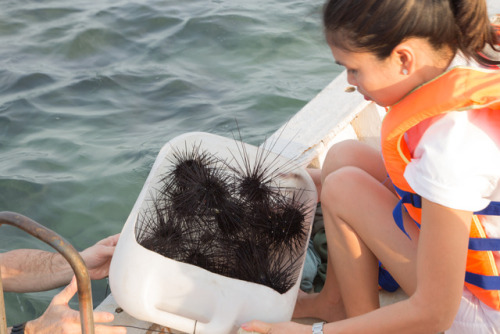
(68, 252)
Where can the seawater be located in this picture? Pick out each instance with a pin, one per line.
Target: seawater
(91, 90)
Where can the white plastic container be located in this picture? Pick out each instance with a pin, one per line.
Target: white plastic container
(154, 288)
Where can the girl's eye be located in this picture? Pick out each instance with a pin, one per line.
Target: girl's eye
(351, 71)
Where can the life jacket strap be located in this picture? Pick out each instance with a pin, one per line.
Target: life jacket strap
(483, 281)
(477, 244)
(493, 209)
(482, 244)
(406, 198)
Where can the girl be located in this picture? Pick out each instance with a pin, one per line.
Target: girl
(431, 62)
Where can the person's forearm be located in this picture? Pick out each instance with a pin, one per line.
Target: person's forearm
(28, 270)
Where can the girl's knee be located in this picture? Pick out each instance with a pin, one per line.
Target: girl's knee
(357, 154)
(344, 153)
(339, 184)
(340, 150)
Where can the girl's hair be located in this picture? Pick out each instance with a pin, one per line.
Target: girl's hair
(378, 26)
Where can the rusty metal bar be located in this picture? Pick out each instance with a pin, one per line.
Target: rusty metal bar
(3, 320)
(69, 253)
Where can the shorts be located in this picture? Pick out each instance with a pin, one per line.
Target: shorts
(475, 317)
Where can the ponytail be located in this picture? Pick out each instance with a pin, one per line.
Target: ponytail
(475, 30)
(378, 26)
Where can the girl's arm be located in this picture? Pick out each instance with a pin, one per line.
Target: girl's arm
(441, 258)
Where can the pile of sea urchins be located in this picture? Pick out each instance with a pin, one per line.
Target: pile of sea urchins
(233, 220)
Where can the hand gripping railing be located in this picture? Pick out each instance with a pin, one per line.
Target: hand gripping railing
(68, 252)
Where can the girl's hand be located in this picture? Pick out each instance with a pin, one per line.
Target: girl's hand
(290, 327)
(59, 318)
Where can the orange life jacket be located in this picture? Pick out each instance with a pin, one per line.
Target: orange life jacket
(458, 89)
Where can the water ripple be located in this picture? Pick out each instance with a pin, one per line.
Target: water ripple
(15, 83)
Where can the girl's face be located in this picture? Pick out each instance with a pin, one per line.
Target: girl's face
(384, 82)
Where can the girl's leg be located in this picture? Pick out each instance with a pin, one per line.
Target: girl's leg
(356, 154)
(360, 230)
(351, 153)
(316, 177)
(329, 305)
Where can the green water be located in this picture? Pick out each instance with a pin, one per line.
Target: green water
(91, 90)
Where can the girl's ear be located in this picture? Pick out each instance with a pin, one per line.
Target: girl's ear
(404, 57)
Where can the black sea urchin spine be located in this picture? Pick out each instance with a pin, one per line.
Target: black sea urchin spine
(159, 232)
(288, 226)
(188, 165)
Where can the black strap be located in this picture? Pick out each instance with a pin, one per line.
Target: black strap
(18, 329)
